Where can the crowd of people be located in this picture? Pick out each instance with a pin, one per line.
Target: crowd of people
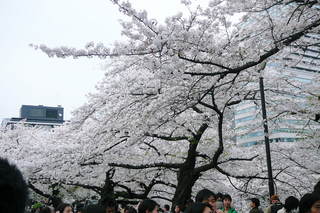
(14, 195)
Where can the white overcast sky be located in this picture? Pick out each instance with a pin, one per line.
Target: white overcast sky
(30, 77)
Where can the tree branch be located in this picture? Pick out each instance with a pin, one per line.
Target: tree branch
(240, 176)
(285, 41)
(238, 159)
(146, 166)
(167, 138)
(38, 191)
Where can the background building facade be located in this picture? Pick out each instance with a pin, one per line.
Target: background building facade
(303, 66)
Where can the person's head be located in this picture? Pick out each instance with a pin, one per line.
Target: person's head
(110, 205)
(310, 203)
(13, 188)
(94, 209)
(148, 206)
(227, 201)
(46, 210)
(178, 208)
(130, 209)
(316, 188)
(64, 208)
(255, 203)
(166, 207)
(189, 203)
(199, 208)
(219, 196)
(291, 203)
(55, 201)
(206, 196)
(80, 208)
(274, 199)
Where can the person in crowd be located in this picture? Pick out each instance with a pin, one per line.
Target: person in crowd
(254, 204)
(79, 208)
(219, 200)
(13, 188)
(227, 200)
(64, 208)
(188, 203)
(166, 208)
(94, 209)
(310, 203)
(199, 208)
(148, 206)
(206, 196)
(129, 209)
(47, 209)
(291, 205)
(275, 205)
(178, 208)
(316, 188)
(110, 205)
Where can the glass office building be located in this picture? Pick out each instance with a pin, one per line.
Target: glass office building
(304, 67)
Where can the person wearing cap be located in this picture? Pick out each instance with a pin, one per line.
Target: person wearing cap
(255, 203)
(275, 205)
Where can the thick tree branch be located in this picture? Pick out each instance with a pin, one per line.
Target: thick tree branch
(167, 138)
(93, 163)
(146, 166)
(204, 63)
(128, 194)
(162, 198)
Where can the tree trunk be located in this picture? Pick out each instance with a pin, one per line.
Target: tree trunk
(184, 189)
(107, 192)
(186, 177)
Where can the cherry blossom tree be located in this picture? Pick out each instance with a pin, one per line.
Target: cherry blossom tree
(166, 103)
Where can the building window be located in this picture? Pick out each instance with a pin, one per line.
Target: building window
(249, 109)
(250, 135)
(51, 113)
(248, 118)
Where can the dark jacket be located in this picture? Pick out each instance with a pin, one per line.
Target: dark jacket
(275, 207)
(256, 210)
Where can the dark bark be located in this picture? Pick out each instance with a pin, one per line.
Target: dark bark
(186, 180)
(146, 166)
(186, 175)
(107, 191)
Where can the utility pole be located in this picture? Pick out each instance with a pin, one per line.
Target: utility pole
(266, 131)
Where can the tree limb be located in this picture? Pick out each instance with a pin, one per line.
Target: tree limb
(146, 166)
